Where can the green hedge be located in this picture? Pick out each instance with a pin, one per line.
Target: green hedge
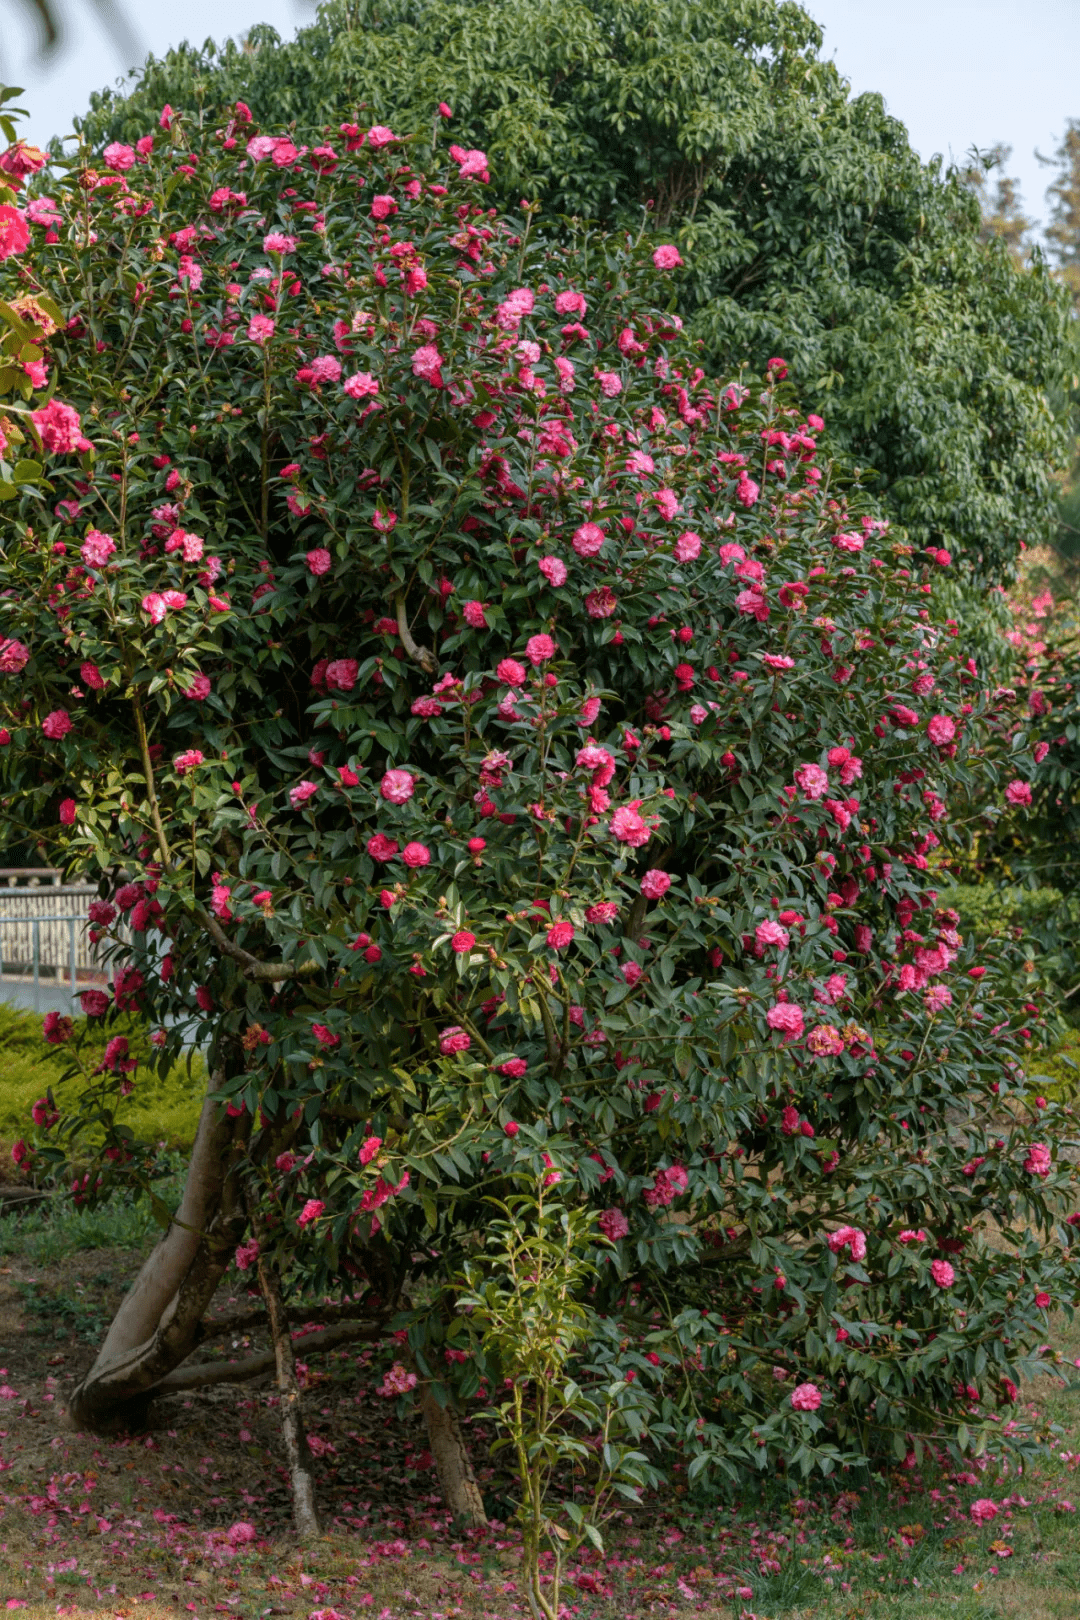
(162, 1108)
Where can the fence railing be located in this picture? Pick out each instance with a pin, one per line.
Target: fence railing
(46, 956)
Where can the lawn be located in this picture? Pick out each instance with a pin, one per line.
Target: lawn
(138, 1525)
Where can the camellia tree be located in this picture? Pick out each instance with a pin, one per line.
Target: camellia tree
(810, 226)
(510, 756)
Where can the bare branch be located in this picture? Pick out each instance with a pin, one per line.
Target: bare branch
(419, 655)
(238, 1372)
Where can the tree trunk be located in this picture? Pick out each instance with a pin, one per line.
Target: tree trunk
(453, 1464)
(160, 1320)
(297, 1450)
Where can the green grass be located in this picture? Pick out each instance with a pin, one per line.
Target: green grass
(162, 1108)
(49, 1232)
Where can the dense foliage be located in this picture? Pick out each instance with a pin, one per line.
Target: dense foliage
(810, 227)
(509, 752)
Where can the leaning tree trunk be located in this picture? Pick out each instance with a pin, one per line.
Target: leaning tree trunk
(160, 1321)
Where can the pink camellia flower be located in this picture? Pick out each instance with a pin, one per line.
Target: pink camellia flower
(772, 933)
(199, 688)
(56, 725)
(325, 1036)
(279, 242)
(42, 1113)
(463, 941)
(56, 1029)
(383, 206)
(655, 884)
(187, 761)
(97, 548)
(310, 1212)
(667, 257)
(1038, 1161)
(851, 1238)
(942, 1273)
(319, 561)
(604, 911)
(614, 1224)
(240, 1533)
(824, 1040)
(153, 604)
(941, 729)
(416, 855)
(812, 780)
(510, 672)
(806, 1397)
(911, 1235)
(553, 570)
(68, 811)
(57, 424)
(1043, 1301)
(473, 614)
(628, 827)
(786, 1017)
(426, 364)
(95, 1003)
(301, 793)
(382, 848)
(937, 998)
(341, 674)
(260, 329)
(513, 1068)
(247, 1254)
(119, 157)
(588, 539)
(1018, 792)
(14, 656)
(370, 1147)
(560, 934)
(983, 1510)
(454, 1039)
(361, 386)
(538, 649)
(14, 231)
(397, 1381)
(687, 547)
(601, 603)
(472, 165)
(397, 787)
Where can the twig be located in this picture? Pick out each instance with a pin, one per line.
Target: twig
(419, 655)
(297, 1450)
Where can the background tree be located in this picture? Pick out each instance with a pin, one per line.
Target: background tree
(809, 225)
(1000, 203)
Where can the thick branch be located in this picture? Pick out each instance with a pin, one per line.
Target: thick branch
(160, 1321)
(238, 1372)
(217, 1327)
(254, 968)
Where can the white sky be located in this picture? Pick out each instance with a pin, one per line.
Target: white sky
(957, 72)
(964, 72)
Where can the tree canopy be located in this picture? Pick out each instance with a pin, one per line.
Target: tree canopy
(810, 227)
